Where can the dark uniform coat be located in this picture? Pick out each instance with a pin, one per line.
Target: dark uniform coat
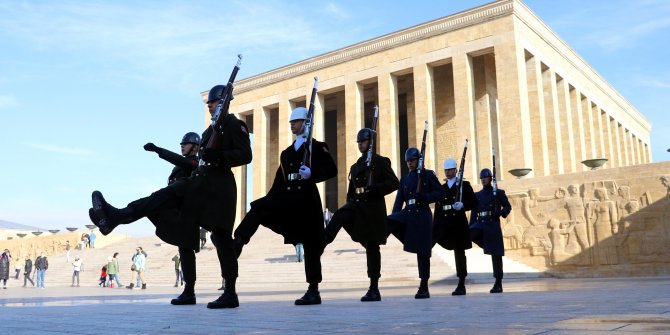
(293, 208)
(417, 218)
(209, 195)
(370, 212)
(485, 220)
(450, 227)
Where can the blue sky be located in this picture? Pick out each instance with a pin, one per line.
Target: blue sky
(85, 84)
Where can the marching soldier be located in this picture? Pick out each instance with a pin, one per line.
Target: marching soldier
(450, 225)
(364, 215)
(292, 207)
(485, 228)
(205, 199)
(413, 224)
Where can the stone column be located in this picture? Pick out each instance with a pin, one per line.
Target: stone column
(566, 117)
(555, 143)
(260, 150)
(626, 148)
(514, 120)
(319, 131)
(424, 110)
(388, 119)
(353, 100)
(608, 140)
(600, 132)
(285, 137)
(590, 128)
(537, 117)
(464, 102)
(617, 142)
(579, 130)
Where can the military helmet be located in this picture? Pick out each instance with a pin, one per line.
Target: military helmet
(412, 154)
(364, 134)
(449, 163)
(485, 173)
(216, 93)
(191, 137)
(299, 113)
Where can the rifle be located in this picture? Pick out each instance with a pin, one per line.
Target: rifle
(309, 122)
(419, 167)
(459, 177)
(222, 110)
(494, 182)
(371, 145)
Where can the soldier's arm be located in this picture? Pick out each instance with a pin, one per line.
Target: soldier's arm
(176, 159)
(434, 192)
(506, 207)
(239, 152)
(399, 200)
(469, 198)
(323, 166)
(388, 181)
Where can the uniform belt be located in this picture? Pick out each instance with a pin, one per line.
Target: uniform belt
(293, 176)
(446, 207)
(411, 201)
(360, 190)
(482, 214)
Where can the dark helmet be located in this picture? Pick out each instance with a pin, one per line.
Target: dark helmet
(364, 134)
(191, 137)
(216, 93)
(411, 154)
(485, 173)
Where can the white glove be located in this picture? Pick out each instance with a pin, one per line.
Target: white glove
(305, 172)
(457, 205)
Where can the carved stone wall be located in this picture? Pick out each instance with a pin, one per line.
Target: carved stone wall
(602, 223)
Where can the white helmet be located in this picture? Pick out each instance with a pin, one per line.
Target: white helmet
(300, 113)
(449, 163)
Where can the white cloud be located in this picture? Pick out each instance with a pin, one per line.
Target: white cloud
(59, 149)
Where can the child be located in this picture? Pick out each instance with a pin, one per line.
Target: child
(103, 277)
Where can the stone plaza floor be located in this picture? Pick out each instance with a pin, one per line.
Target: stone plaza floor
(528, 306)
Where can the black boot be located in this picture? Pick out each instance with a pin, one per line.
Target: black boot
(105, 216)
(311, 297)
(373, 292)
(144, 286)
(130, 287)
(422, 293)
(460, 289)
(186, 298)
(229, 297)
(497, 287)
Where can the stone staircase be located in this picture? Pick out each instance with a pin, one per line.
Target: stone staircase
(266, 264)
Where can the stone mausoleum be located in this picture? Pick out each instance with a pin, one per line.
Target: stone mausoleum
(501, 78)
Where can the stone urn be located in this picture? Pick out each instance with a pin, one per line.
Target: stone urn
(520, 173)
(594, 163)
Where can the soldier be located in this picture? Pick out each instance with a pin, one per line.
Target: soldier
(184, 165)
(364, 215)
(292, 207)
(450, 226)
(485, 228)
(205, 199)
(413, 224)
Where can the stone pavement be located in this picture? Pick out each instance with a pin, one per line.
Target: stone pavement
(528, 306)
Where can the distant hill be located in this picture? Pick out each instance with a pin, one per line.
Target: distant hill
(13, 225)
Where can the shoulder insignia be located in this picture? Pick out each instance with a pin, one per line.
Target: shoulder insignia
(244, 130)
(325, 149)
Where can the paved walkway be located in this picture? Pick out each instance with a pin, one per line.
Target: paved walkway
(528, 306)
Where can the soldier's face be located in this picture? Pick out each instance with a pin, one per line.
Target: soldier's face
(211, 106)
(296, 126)
(188, 148)
(450, 173)
(412, 165)
(486, 181)
(363, 146)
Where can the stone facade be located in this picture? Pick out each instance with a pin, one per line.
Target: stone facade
(495, 75)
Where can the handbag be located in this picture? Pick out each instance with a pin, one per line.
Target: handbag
(133, 267)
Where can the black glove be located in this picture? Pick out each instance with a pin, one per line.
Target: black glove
(211, 155)
(150, 147)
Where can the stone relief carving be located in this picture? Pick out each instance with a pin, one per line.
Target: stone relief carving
(594, 224)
